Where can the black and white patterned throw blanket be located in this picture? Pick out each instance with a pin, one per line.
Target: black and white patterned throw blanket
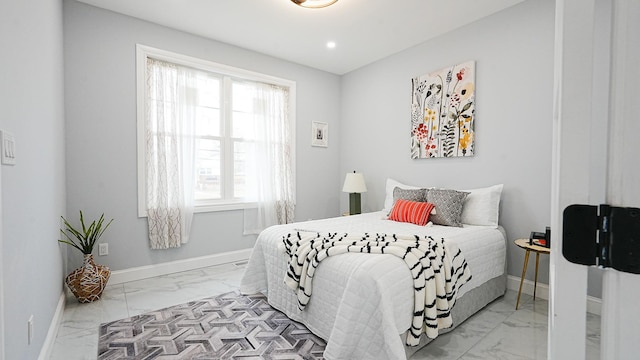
(438, 270)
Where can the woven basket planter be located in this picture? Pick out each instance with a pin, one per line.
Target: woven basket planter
(88, 282)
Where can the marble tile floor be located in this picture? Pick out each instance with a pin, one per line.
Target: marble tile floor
(496, 332)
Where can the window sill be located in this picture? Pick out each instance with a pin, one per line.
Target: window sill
(206, 208)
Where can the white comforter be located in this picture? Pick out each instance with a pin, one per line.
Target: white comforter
(362, 302)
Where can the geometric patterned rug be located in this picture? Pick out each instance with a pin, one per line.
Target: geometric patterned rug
(228, 326)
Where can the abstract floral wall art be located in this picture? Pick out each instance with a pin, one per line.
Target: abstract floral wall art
(443, 112)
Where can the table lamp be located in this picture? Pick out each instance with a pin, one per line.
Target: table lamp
(354, 185)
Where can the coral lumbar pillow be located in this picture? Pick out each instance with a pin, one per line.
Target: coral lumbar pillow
(414, 212)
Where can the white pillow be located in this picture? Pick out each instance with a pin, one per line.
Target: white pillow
(482, 206)
(388, 199)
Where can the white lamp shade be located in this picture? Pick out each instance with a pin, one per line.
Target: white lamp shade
(354, 183)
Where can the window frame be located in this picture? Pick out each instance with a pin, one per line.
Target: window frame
(142, 53)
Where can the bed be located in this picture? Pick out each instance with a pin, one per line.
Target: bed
(362, 304)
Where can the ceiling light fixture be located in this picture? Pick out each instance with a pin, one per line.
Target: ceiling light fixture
(314, 4)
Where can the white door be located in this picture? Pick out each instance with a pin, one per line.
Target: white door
(621, 291)
(596, 160)
(1, 277)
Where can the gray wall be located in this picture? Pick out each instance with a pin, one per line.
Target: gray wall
(101, 133)
(33, 191)
(513, 50)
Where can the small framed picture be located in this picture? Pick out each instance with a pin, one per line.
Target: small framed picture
(319, 134)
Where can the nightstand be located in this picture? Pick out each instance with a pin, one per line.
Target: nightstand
(524, 243)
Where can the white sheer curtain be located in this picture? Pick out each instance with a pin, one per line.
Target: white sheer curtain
(270, 180)
(169, 155)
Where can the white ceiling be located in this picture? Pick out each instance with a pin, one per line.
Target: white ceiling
(364, 30)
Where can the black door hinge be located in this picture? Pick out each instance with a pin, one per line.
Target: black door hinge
(607, 238)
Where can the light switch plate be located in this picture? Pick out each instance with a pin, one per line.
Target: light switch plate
(8, 148)
(103, 249)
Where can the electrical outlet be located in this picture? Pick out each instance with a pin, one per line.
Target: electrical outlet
(30, 330)
(103, 249)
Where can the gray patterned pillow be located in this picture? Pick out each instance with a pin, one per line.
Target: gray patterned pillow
(419, 195)
(448, 206)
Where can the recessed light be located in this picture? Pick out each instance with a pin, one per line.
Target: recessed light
(331, 44)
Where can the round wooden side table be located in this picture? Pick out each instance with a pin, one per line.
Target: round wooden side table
(524, 243)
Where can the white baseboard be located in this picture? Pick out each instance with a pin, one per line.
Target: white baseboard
(144, 272)
(49, 341)
(513, 283)
(594, 304)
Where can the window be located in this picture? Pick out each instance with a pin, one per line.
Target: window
(221, 114)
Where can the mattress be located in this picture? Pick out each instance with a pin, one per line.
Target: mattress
(361, 303)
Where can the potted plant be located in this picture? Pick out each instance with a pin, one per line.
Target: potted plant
(88, 281)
